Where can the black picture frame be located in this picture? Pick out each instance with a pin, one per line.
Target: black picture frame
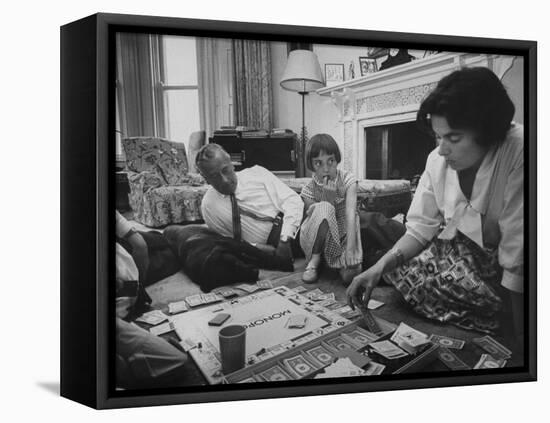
(367, 65)
(87, 202)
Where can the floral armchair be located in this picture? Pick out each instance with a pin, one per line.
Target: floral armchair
(162, 192)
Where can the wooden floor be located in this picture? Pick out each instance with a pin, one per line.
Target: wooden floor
(395, 310)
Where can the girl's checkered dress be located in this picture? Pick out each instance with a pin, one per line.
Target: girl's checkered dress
(335, 214)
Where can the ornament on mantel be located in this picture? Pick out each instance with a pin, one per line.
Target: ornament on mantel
(351, 72)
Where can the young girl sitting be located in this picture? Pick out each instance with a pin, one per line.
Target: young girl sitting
(331, 227)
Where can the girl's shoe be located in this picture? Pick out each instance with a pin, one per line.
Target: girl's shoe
(311, 274)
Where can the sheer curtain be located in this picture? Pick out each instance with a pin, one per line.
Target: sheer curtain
(253, 95)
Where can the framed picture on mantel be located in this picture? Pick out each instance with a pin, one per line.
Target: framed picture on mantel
(334, 73)
(195, 291)
(368, 65)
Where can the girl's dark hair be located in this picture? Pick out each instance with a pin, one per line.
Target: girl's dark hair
(318, 143)
(472, 99)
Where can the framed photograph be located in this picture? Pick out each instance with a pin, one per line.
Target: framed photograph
(368, 65)
(334, 73)
(182, 278)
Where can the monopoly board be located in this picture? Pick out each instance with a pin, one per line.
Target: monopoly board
(266, 315)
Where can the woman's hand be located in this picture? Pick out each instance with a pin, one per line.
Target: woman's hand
(360, 289)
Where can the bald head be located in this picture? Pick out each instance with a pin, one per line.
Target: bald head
(215, 166)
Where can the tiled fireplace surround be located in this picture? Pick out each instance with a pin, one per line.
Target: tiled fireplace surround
(393, 96)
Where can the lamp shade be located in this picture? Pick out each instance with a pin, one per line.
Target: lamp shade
(302, 72)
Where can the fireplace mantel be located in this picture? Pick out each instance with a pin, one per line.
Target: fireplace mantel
(393, 96)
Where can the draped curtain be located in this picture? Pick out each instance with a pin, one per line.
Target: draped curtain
(207, 80)
(134, 85)
(253, 95)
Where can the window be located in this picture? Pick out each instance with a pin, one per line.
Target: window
(177, 87)
(158, 81)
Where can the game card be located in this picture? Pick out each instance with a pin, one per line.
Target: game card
(162, 329)
(488, 362)
(152, 317)
(274, 374)
(297, 322)
(450, 360)
(339, 343)
(388, 349)
(177, 307)
(335, 305)
(299, 289)
(447, 342)
(194, 300)
(321, 354)
(326, 303)
(247, 380)
(493, 347)
(265, 284)
(312, 295)
(374, 368)
(361, 338)
(298, 365)
(374, 304)
(228, 293)
(211, 297)
(323, 297)
(248, 288)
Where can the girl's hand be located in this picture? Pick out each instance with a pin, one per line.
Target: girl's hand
(360, 289)
(329, 191)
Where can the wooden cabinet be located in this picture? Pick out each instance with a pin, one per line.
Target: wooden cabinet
(276, 154)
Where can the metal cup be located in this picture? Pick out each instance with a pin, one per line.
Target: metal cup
(232, 347)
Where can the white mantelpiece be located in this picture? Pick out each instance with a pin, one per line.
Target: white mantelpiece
(392, 96)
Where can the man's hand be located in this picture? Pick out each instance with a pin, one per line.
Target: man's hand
(266, 248)
(284, 251)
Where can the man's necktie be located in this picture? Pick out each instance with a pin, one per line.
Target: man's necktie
(236, 218)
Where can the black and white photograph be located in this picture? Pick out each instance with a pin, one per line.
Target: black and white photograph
(275, 211)
(275, 223)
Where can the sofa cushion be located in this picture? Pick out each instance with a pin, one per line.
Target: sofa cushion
(387, 196)
(167, 158)
(167, 205)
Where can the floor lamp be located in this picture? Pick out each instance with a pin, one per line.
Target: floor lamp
(302, 75)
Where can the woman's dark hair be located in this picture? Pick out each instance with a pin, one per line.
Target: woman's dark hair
(318, 143)
(472, 99)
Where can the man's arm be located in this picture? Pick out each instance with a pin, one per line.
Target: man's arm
(140, 252)
(287, 201)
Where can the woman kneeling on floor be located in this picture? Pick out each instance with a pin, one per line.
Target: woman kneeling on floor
(461, 258)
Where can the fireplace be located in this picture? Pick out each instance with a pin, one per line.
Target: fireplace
(377, 114)
(397, 151)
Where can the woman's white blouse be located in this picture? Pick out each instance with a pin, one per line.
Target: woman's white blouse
(494, 215)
